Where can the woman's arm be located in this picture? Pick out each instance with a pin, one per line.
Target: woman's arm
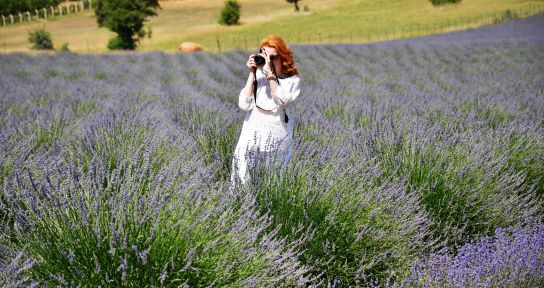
(286, 94)
(245, 99)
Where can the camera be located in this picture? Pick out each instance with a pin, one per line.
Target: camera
(259, 60)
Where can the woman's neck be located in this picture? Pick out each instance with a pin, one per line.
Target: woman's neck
(279, 72)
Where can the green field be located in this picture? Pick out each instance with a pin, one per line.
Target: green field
(325, 22)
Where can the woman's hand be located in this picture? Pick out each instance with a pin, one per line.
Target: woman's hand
(267, 69)
(251, 66)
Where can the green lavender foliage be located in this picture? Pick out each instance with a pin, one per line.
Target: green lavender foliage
(115, 168)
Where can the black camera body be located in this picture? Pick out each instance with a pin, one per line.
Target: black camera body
(259, 60)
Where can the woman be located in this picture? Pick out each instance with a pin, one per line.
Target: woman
(268, 123)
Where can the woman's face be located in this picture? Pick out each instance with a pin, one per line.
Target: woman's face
(270, 51)
(274, 58)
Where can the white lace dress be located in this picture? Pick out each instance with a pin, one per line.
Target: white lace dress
(265, 131)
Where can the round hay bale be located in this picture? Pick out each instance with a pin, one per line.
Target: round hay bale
(190, 47)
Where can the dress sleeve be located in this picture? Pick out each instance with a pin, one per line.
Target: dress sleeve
(287, 93)
(244, 102)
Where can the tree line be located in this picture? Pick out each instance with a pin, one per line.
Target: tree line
(18, 6)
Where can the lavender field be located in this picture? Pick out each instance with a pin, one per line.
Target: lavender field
(419, 163)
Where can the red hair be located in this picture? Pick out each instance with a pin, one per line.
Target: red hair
(284, 52)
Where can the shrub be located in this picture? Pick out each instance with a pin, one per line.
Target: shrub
(230, 15)
(40, 39)
(116, 43)
(510, 15)
(64, 48)
(441, 2)
(148, 33)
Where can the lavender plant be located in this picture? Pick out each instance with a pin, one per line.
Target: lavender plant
(511, 258)
(114, 167)
(13, 270)
(126, 210)
(345, 216)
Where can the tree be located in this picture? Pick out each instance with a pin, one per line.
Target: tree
(126, 18)
(296, 4)
(230, 15)
(19, 6)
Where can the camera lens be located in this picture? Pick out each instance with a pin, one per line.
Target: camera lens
(259, 60)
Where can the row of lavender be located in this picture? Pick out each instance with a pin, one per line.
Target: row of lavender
(415, 165)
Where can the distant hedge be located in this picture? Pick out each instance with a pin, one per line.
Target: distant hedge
(17, 6)
(440, 2)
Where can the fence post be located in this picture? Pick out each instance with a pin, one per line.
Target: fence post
(28, 14)
(52, 11)
(68, 9)
(37, 15)
(60, 10)
(11, 18)
(20, 18)
(44, 13)
(3, 20)
(81, 5)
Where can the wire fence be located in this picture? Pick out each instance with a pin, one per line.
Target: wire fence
(64, 9)
(380, 34)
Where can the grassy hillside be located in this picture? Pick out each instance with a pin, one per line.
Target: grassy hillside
(327, 21)
(368, 20)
